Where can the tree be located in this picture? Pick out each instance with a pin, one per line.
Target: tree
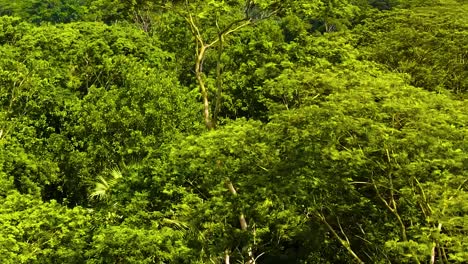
(55, 11)
(428, 43)
(314, 147)
(42, 232)
(104, 105)
(219, 20)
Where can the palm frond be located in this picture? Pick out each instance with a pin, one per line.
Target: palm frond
(116, 173)
(181, 225)
(103, 187)
(101, 190)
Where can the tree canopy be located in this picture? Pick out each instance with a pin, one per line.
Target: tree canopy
(257, 131)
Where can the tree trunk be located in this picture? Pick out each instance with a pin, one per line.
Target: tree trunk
(219, 80)
(203, 90)
(242, 222)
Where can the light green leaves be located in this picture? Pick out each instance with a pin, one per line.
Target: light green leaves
(319, 155)
(103, 187)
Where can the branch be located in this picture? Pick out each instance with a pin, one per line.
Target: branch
(344, 242)
(434, 246)
(226, 257)
(194, 29)
(219, 80)
(394, 212)
(237, 28)
(228, 30)
(242, 220)
(342, 231)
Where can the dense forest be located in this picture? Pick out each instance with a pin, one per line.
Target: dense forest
(234, 131)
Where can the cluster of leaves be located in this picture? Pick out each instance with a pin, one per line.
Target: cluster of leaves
(429, 43)
(84, 94)
(339, 135)
(35, 11)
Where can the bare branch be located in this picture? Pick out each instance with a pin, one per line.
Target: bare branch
(344, 242)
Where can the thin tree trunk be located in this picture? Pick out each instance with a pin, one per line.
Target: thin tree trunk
(209, 122)
(344, 242)
(434, 246)
(227, 257)
(203, 90)
(242, 221)
(393, 208)
(219, 80)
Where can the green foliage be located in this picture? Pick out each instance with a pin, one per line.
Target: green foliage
(97, 102)
(116, 244)
(428, 43)
(42, 232)
(333, 158)
(104, 187)
(341, 133)
(38, 11)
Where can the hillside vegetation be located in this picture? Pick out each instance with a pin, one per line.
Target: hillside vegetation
(258, 131)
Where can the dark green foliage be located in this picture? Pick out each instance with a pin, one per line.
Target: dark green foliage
(39, 11)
